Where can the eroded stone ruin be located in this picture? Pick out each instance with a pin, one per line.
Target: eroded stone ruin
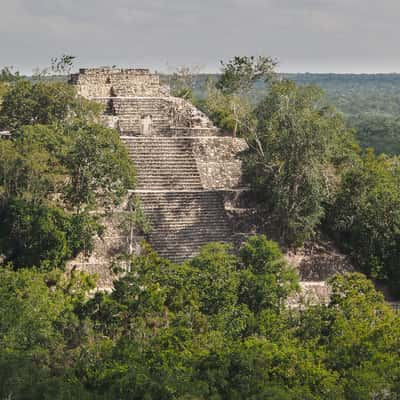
(188, 171)
(189, 174)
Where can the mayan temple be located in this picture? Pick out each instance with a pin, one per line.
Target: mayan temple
(188, 171)
(189, 179)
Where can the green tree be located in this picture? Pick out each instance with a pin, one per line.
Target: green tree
(43, 235)
(59, 158)
(241, 72)
(40, 336)
(187, 331)
(8, 74)
(182, 82)
(230, 100)
(3, 91)
(45, 103)
(360, 336)
(98, 166)
(292, 155)
(365, 217)
(29, 164)
(62, 65)
(266, 280)
(214, 276)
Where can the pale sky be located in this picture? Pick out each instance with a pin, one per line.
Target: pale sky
(304, 35)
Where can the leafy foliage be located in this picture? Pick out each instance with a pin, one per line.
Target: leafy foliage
(188, 332)
(59, 158)
(63, 64)
(7, 74)
(292, 156)
(40, 334)
(46, 236)
(380, 132)
(182, 82)
(241, 72)
(229, 100)
(366, 219)
(45, 103)
(370, 104)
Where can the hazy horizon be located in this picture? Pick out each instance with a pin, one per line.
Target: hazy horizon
(316, 36)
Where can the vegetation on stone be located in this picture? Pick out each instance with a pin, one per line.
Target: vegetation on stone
(59, 166)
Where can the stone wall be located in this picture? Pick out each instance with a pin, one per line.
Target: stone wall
(108, 248)
(319, 260)
(117, 82)
(218, 161)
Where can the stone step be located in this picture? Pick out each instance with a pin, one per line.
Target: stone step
(161, 186)
(195, 238)
(154, 204)
(195, 235)
(170, 221)
(157, 139)
(176, 187)
(169, 175)
(159, 147)
(177, 229)
(181, 154)
(168, 182)
(184, 154)
(146, 158)
(170, 178)
(167, 163)
(167, 185)
(185, 221)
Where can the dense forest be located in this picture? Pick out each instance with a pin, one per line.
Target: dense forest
(370, 103)
(221, 325)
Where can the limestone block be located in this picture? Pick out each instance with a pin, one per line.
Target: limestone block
(218, 161)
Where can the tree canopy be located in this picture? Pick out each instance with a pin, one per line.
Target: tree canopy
(59, 166)
(292, 156)
(221, 325)
(365, 217)
(309, 173)
(195, 331)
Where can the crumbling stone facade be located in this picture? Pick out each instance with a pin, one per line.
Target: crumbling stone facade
(189, 178)
(115, 82)
(186, 167)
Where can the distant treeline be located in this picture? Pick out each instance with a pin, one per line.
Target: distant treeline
(370, 103)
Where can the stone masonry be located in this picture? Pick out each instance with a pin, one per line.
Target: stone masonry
(186, 167)
(189, 177)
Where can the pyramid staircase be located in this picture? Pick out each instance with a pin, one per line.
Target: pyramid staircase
(172, 172)
(163, 163)
(184, 221)
(183, 214)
